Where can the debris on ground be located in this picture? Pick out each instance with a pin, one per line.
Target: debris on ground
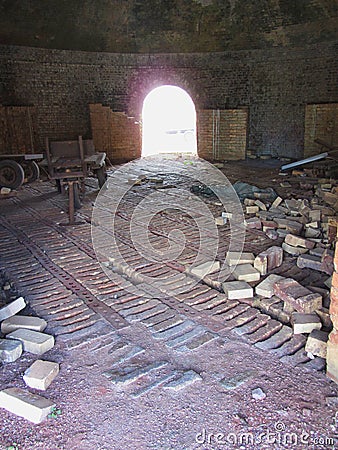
(24, 333)
(302, 228)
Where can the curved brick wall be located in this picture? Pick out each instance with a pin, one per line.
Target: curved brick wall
(274, 84)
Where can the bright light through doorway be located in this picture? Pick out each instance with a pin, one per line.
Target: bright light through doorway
(168, 122)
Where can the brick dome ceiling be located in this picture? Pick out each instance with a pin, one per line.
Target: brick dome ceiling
(162, 26)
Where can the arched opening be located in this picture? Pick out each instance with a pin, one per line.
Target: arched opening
(168, 122)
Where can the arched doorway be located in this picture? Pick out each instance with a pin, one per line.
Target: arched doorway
(168, 122)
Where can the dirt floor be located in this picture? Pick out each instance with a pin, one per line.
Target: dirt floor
(127, 381)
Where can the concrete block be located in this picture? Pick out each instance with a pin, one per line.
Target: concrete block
(297, 296)
(269, 259)
(40, 374)
(227, 215)
(237, 289)
(234, 258)
(12, 308)
(30, 406)
(265, 288)
(294, 251)
(33, 341)
(252, 209)
(298, 241)
(5, 191)
(203, 269)
(305, 323)
(10, 350)
(316, 343)
(246, 272)
(28, 322)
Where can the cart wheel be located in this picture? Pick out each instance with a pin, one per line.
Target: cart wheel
(77, 202)
(32, 171)
(11, 174)
(101, 176)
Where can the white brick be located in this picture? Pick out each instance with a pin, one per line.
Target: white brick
(305, 323)
(246, 272)
(30, 406)
(220, 221)
(12, 308)
(277, 202)
(10, 350)
(237, 290)
(203, 269)
(249, 202)
(265, 288)
(260, 205)
(15, 322)
(252, 209)
(234, 258)
(40, 374)
(33, 341)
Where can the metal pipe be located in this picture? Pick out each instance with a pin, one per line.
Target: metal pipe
(304, 161)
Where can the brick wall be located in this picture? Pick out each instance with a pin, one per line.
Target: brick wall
(17, 131)
(332, 345)
(114, 133)
(321, 122)
(275, 85)
(222, 134)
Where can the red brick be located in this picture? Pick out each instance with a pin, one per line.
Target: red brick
(335, 280)
(333, 337)
(269, 259)
(315, 263)
(296, 295)
(297, 241)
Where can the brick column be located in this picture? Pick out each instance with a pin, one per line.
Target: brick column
(332, 345)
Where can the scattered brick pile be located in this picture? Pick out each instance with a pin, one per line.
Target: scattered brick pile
(306, 230)
(24, 333)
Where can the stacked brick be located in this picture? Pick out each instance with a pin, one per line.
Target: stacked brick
(320, 123)
(114, 133)
(332, 345)
(17, 129)
(222, 134)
